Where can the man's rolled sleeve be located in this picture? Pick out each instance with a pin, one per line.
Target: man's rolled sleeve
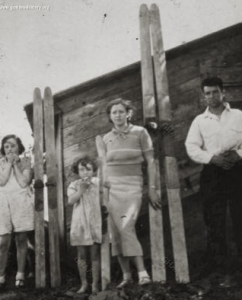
(194, 144)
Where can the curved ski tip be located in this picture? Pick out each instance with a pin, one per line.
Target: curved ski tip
(143, 9)
(37, 92)
(154, 7)
(48, 91)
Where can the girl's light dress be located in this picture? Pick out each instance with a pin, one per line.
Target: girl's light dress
(16, 203)
(86, 223)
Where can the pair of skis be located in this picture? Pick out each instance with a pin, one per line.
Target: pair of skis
(156, 98)
(44, 135)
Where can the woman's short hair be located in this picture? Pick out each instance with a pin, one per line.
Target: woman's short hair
(21, 148)
(126, 104)
(84, 160)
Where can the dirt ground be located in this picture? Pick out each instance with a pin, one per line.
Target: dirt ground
(205, 287)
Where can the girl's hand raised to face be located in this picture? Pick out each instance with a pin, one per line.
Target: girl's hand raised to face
(10, 157)
(84, 184)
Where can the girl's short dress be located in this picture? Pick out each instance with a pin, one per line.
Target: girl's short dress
(124, 154)
(16, 203)
(86, 223)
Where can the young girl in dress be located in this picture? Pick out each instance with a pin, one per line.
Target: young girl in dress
(86, 219)
(16, 205)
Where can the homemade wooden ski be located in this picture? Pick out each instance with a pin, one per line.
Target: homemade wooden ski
(170, 162)
(149, 113)
(49, 125)
(40, 269)
(105, 249)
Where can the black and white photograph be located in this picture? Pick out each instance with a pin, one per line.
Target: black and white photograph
(120, 150)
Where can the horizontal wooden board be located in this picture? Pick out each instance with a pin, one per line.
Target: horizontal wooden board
(94, 94)
(91, 110)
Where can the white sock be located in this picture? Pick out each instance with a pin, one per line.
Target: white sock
(143, 274)
(127, 276)
(2, 279)
(19, 275)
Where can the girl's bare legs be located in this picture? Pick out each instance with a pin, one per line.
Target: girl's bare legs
(125, 267)
(5, 241)
(95, 256)
(82, 268)
(22, 248)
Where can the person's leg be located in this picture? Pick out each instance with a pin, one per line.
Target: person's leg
(235, 207)
(82, 267)
(21, 246)
(215, 220)
(144, 277)
(95, 256)
(5, 241)
(124, 263)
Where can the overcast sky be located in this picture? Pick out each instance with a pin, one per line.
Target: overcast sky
(64, 43)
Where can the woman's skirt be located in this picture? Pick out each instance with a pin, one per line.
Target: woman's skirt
(125, 197)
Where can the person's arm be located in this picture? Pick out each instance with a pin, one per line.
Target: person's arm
(151, 168)
(5, 172)
(194, 143)
(22, 176)
(148, 154)
(75, 191)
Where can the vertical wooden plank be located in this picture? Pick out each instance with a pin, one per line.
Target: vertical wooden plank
(51, 171)
(171, 170)
(105, 248)
(60, 185)
(40, 269)
(146, 65)
(149, 111)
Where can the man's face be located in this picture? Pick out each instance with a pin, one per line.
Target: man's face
(213, 96)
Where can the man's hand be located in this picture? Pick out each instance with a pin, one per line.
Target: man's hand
(154, 199)
(222, 161)
(232, 156)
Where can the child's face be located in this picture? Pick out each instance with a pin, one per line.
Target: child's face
(11, 146)
(85, 171)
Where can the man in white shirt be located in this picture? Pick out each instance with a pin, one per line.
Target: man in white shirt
(215, 140)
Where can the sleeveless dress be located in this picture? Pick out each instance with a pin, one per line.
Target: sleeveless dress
(16, 203)
(86, 224)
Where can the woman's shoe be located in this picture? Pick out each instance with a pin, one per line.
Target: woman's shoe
(144, 280)
(20, 283)
(124, 283)
(3, 286)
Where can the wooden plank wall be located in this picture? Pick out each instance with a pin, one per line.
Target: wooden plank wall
(84, 114)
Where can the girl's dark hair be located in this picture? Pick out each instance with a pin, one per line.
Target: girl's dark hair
(126, 104)
(21, 148)
(84, 160)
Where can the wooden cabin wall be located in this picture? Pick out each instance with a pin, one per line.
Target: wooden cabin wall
(84, 114)
(85, 117)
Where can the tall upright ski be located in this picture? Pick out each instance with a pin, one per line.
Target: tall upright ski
(105, 249)
(51, 186)
(149, 113)
(171, 168)
(40, 269)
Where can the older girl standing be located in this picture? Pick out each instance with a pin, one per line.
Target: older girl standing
(16, 205)
(127, 146)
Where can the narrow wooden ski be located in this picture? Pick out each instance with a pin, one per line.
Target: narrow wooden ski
(171, 168)
(105, 249)
(40, 268)
(149, 113)
(51, 187)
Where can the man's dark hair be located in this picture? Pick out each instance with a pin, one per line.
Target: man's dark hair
(21, 148)
(84, 161)
(212, 81)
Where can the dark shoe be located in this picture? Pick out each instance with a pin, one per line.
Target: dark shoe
(3, 286)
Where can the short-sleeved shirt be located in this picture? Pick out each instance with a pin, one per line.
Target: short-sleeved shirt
(127, 148)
